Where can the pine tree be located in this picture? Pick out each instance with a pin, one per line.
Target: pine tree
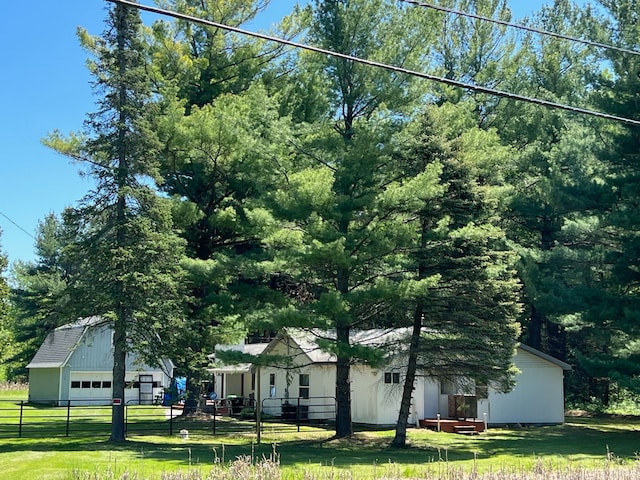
(38, 296)
(128, 258)
(610, 322)
(340, 225)
(464, 316)
(6, 335)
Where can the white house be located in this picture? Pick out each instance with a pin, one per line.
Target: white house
(308, 382)
(75, 363)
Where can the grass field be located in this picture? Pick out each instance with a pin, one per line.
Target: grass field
(536, 452)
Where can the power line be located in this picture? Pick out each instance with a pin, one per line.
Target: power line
(5, 216)
(522, 27)
(372, 63)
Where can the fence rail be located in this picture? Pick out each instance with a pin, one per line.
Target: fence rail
(32, 420)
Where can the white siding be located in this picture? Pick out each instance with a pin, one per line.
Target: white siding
(538, 396)
(431, 396)
(375, 402)
(322, 384)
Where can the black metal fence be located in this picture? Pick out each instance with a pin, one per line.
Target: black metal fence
(75, 419)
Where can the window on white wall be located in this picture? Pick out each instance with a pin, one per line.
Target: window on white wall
(391, 377)
(303, 382)
(272, 385)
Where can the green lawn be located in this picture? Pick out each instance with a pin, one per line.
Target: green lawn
(580, 442)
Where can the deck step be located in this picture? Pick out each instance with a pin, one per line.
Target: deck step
(465, 429)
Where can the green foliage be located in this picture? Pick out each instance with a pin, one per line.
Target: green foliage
(474, 305)
(125, 254)
(39, 296)
(6, 334)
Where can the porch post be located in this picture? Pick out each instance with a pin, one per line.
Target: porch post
(258, 406)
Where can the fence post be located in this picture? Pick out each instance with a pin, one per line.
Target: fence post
(20, 424)
(68, 416)
(170, 418)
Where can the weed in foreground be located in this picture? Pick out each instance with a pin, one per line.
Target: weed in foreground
(248, 468)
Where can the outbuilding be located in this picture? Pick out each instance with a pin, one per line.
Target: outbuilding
(74, 365)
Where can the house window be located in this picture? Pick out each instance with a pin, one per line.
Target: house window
(303, 382)
(253, 381)
(391, 377)
(75, 384)
(272, 385)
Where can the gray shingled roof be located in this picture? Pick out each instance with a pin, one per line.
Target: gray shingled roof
(306, 340)
(60, 343)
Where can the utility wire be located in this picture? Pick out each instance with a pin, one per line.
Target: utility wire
(426, 76)
(522, 27)
(5, 216)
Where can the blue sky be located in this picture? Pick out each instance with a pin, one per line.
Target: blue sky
(45, 86)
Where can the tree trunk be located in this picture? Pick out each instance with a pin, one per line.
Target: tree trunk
(534, 329)
(119, 372)
(122, 316)
(400, 438)
(344, 427)
(191, 401)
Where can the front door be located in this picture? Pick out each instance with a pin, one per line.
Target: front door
(146, 389)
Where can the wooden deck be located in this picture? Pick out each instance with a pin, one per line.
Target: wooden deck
(468, 427)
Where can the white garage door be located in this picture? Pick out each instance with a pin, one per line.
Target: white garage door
(90, 388)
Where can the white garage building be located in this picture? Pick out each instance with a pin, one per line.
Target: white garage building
(75, 363)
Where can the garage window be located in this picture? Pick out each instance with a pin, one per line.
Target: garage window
(106, 384)
(86, 384)
(96, 384)
(75, 384)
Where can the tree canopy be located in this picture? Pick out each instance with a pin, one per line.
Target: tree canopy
(243, 186)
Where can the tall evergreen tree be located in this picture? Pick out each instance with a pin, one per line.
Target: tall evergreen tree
(219, 133)
(464, 323)
(557, 181)
(6, 336)
(340, 227)
(39, 294)
(128, 258)
(218, 161)
(611, 319)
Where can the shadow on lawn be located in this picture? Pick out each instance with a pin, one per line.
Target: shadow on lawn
(576, 439)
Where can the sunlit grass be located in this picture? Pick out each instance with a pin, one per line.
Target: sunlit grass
(582, 445)
(583, 448)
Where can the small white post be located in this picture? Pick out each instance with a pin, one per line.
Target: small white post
(486, 425)
(438, 417)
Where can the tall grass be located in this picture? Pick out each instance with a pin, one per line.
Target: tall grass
(247, 468)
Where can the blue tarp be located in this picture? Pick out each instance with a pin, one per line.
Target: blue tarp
(175, 393)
